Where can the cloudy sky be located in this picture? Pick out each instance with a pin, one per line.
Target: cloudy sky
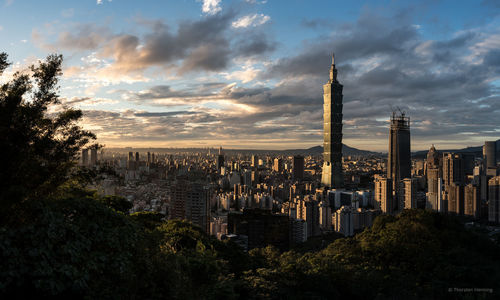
(249, 73)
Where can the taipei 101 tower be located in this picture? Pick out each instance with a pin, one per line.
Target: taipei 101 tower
(332, 175)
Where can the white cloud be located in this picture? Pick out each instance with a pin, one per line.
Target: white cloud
(246, 75)
(251, 20)
(256, 2)
(211, 7)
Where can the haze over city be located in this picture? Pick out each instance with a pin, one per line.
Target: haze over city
(249, 74)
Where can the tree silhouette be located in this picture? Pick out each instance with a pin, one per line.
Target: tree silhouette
(38, 148)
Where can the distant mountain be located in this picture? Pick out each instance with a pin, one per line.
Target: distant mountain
(346, 151)
(476, 150)
(317, 150)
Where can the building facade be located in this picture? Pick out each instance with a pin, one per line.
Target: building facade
(332, 175)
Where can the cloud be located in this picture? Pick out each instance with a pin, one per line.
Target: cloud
(211, 7)
(442, 84)
(449, 87)
(251, 20)
(200, 45)
(79, 37)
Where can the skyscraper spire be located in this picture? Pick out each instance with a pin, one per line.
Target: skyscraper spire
(333, 70)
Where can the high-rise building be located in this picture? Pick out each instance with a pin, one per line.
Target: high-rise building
(131, 162)
(332, 175)
(325, 215)
(434, 175)
(433, 160)
(262, 228)
(453, 169)
(343, 221)
(255, 161)
(433, 191)
(399, 158)
(494, 199)
(489, 154)
(455, 193)
(149, 158)
(408, 196)
(383, 194)
(220, 160)
(93, 156)
(472, 205)
(137, 157)
(278, 165)
(85, 157)
(189, 201)
(298, 167)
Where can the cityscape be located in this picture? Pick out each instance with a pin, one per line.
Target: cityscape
(183, 150)
(239, 195)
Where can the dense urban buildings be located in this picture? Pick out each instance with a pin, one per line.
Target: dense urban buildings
(259, 198)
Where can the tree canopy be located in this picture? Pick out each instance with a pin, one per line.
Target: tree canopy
(39, 147)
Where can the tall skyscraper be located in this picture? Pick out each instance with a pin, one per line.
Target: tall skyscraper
(189, 200)
(298, 167)
(408, 196)
(399, 159)
(130, 161)
(85, 157)
(255, 161)
(453, 168)
(434, 175)
(278, 165)
(472, 206)
(489, 154)
(494, 199)
(332, 175)
(220, 160)
(93, 156)
(383, 194)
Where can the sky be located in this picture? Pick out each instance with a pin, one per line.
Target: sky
(249, 73)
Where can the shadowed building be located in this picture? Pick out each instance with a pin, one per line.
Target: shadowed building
(399, 159)
(494, 199)
(472, 206)
(489, 154)
(298, 167)
(383, 197)
(434, 175)
(262, 228)
(189, 201)
(332, 175)
(85, 157)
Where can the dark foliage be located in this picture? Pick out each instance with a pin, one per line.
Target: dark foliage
(40, 147)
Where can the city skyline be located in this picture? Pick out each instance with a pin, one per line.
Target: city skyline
(248, 75)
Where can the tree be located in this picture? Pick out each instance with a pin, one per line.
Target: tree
(38, 148)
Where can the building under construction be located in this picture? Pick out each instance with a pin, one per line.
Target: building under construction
(399, 159)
